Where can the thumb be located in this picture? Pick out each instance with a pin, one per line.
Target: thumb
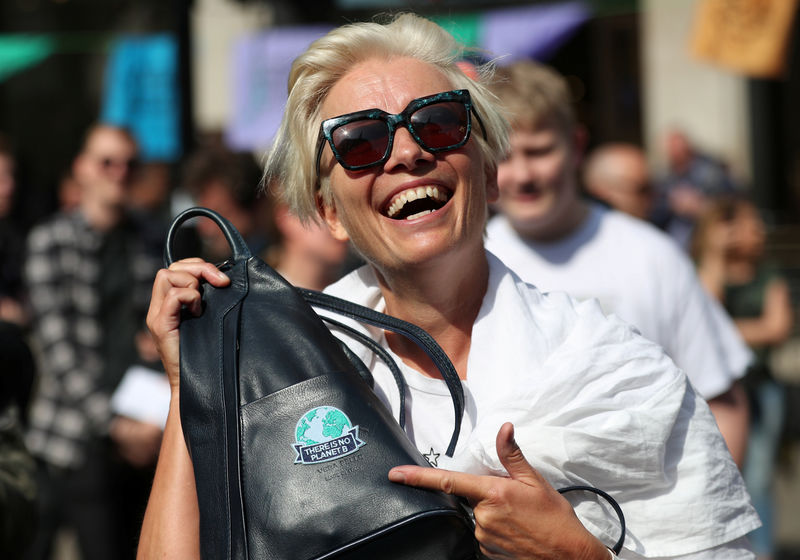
(512, 458)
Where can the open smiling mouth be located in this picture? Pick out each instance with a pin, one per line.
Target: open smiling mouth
(417, 202)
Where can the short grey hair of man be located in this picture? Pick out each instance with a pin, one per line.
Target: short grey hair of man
(291, 162)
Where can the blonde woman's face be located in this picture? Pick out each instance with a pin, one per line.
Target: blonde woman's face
(370, 206)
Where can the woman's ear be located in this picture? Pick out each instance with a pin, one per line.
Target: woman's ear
(331, 218)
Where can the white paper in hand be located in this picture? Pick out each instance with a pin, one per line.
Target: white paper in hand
(143, 394)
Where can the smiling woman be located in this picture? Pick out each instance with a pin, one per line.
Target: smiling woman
(359, 200)
(437, 123)
(377, 141)
(316, 71)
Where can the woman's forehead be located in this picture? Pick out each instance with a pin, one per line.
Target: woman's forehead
(381, 84)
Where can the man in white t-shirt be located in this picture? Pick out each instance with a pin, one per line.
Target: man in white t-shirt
(588, 398)
(553, 238)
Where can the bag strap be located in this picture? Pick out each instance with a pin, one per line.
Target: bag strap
(410, 331)
(348, 309)
(238, 245)
(381, 353)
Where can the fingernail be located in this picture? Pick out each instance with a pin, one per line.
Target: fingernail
(396, 475)
(221, 275)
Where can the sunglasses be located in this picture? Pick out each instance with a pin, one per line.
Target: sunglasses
(438, 123)
(108, 163)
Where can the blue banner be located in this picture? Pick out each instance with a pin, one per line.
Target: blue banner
(141, 94)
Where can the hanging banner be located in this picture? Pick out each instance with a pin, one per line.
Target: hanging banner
(141, 94)
(21, 51)
(261, 62)
(747, 36)
(531, 31)
(261, 65)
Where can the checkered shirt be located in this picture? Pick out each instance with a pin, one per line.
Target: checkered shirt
(62, 272)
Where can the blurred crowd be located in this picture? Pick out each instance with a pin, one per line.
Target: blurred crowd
(80, 412)
(84, 399)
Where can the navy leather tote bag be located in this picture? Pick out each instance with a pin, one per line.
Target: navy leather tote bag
(290, 446)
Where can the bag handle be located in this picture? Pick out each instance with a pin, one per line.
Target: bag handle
(617, 509)
(343, 307)
(240, 249)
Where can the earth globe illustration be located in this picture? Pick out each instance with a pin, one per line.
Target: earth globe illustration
(322, 424)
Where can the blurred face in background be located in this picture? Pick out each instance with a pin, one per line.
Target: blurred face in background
(312, 239)
(748, 235)
(217, 196)
(678, 151)
(619, 176)
(538, 179)
(633, 196)
(105, 168)
(6, 184)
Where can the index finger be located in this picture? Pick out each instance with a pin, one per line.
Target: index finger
(470, 486)
(185, 273)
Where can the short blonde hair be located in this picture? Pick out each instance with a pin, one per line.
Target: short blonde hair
(291, 162)
(534, 95)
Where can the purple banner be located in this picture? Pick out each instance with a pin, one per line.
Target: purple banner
(531, 31)
(261, 65)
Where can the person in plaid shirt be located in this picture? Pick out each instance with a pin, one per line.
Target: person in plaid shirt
(88, 273)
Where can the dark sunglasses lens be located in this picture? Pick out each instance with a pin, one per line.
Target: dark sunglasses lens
(441, 125)
(108, 163)
(361, 142)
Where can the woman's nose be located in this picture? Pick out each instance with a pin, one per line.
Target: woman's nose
(406, 152)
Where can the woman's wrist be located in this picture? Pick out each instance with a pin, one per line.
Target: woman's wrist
(596, 550)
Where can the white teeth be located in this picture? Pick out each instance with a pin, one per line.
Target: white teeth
(418, 214)
(409, 195)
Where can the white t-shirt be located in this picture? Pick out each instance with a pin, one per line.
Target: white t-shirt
(640, 275)
(593, 403)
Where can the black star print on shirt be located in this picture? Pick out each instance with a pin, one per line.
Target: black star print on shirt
(432, 457)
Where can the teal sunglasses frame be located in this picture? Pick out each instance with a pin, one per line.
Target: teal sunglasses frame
(403, 119)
